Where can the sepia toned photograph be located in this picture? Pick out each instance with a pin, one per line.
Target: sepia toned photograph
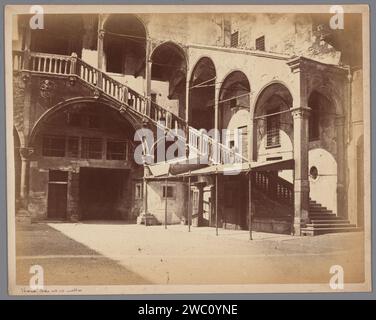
(188, 149)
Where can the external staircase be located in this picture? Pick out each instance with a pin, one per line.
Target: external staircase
(73, 68)
(198, 142)
(322, 220)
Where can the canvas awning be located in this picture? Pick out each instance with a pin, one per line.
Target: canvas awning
(232, 169)
(229, 169)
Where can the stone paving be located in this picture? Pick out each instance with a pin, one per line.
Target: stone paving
(100, 252)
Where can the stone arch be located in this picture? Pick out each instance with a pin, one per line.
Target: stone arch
(168, 77)
(134, 122)
(234, 95)
(141, 20)
(124, 44)
(272, 122)
(202, 94)
(196, 63)
(256, 97)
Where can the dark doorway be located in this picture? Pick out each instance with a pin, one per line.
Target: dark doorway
(57, 194)
(102, 193)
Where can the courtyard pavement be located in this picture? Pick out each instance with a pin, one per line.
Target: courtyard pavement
(115, 253)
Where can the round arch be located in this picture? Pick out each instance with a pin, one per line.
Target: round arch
(68, 103)
(124, 44)
(176, 47)
(168, 75)
(202, 94)
(234, 97)
(331, 95)
(256, 101)
(135, 16)
(202, 60)
(272, 122)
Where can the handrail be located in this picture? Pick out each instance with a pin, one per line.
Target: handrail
(277, 188)
(205, 145)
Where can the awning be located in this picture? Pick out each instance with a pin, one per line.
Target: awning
(233, 169)
(226, 169)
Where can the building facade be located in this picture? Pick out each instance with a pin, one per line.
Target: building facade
(289, 87)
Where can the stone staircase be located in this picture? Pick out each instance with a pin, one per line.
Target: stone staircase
(322, 221)
(126, 99)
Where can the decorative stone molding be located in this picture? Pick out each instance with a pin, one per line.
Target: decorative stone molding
(26, 152)
(300, 112)
(72, 81)
(47, 88)
(340, 121)
(96, 94)
(123, 110)
(25, 77)
(101, 34)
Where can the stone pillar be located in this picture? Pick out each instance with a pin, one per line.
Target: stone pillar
(100, 56)
(24, 175)
(216, 105)
(341, 168)
(148, 64)
(301, 182)
(251, 138)
(100, 39)
(26, 48)
(187, 91)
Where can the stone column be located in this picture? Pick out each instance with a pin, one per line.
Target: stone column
(301, 182)
(216, 105)
(24, 175)
(187, 83)
(251, 134)
(100, 56)
(148, 64)
(341, 168)
(100, 39)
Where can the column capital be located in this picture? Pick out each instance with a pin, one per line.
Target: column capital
(26, 152)
(340, 121)
(300, 112)
(101, 34)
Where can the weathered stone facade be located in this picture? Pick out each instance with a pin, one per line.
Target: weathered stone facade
(296, 81)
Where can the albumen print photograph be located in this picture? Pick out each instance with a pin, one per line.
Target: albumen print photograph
(188, 149)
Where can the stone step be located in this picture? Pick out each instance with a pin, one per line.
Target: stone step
(322, 215)
(319, 209)
(316, 205)
(332, 221)
(309, 231)
(330, 225)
